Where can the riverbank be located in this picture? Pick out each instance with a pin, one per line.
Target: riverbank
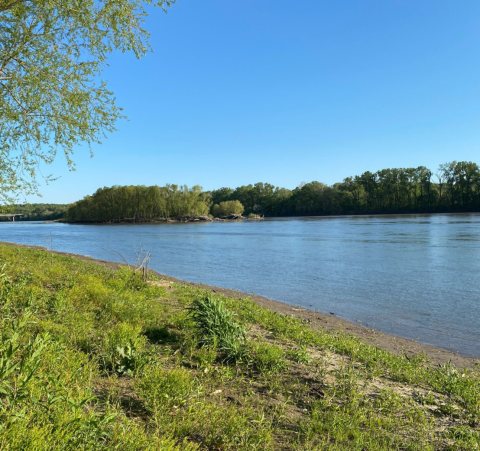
(110, 360)
(165, 221)
(258, 217)
(317, 320)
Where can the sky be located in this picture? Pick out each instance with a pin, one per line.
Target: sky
(284, 92)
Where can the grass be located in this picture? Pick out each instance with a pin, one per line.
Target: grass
(216, 328)
(92, 359)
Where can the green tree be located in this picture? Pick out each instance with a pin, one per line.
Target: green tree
(467, 178)
(230, 207)
(370, 187)
(140, 204)
(352, 186)
(310, 199)
(52, 97)
(221, 195)
(447, 172)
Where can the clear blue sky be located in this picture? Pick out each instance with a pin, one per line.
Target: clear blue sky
(238, 92)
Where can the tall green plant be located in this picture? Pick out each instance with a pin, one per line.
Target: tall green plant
(217, 327)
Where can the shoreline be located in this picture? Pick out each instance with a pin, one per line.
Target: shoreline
(392, 343)
(185, 220)
(243, 218)
(201, 220)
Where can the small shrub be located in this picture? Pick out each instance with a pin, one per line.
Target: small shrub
(230, 207)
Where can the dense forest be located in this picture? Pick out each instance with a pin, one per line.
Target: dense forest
(140, 203)
(35, 212)
(453, 187)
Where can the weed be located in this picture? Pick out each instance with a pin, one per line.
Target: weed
(268, 358)
(299, 355)
(425, 399)
(164, 389)
(123, 349)
(217, 327)
(204, 357)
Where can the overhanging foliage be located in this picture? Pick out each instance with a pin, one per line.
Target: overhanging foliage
(52, 97)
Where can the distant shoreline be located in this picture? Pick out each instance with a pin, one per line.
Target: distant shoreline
(242, 218)
(165, 221)
(194, 220)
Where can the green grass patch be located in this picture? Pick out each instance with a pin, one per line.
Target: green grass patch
(92, 359)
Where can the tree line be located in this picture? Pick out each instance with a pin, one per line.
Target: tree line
(453, 187)
(35, 212)
(140, 203)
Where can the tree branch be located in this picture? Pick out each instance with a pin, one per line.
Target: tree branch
(11, 5)
(25, 110)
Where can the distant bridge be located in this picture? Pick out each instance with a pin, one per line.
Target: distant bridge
(11, 215)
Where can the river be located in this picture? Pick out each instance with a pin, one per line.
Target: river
(416, 276)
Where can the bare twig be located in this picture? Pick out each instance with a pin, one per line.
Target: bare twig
(142, 259)
(116, 254)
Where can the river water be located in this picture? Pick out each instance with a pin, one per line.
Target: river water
(416, 276)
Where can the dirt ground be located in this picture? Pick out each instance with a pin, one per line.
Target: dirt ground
(388, 342)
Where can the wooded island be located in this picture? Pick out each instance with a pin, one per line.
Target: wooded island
(454, 187)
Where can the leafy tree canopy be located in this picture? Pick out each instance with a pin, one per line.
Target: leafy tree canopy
(52, 97)
(227, 208)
